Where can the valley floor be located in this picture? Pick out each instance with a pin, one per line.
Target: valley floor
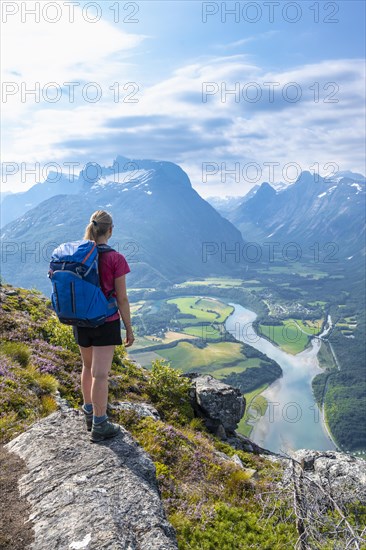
(186, 328)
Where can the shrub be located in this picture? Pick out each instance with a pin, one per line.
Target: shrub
(227, 527)
(118, 357)
(59, 334)
(8, 423)
(48, 405)
(197, 424)
(169, 391)
(17, 351)
(40, 383)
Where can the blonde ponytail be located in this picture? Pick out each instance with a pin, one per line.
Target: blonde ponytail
(99, 224)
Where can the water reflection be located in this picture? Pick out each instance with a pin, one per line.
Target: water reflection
(292, 420)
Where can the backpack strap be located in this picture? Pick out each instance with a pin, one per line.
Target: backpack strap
(104, 248)
(89, 254)
(112, 301)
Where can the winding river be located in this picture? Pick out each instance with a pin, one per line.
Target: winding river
(293, 420)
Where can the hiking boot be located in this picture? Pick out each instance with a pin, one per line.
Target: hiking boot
(88, 419)
(104, 430)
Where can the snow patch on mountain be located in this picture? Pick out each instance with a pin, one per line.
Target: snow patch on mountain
(140, 177)
(358, 187)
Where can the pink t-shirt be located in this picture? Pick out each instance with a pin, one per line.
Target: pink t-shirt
(111, 265)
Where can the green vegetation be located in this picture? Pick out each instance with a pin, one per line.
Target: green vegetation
(202, 309)
(347, 325)
(318, 385)
(287, 335)
(325, 357)
(221, 282)
(190, 358)
(256, 405)
(59, 335)
(236, 364)
(213, 351)
(307, 293)
(253, 378)
(210, 500)
(345, 403)
(345, 400)
(169, 392)
(17, 351)
(205, 332)
(147, 322)
(38, 357)
(294, 268)
(310, 327)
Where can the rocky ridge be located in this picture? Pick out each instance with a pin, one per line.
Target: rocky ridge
(106, 496)
(90, 496)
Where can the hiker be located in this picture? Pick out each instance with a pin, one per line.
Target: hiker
(97, 344)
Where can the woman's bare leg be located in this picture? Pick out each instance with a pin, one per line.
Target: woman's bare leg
(86, 374)
(101, 365)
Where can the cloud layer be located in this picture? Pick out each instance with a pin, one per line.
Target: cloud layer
(225, 110)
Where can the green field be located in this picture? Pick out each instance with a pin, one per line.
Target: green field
(145, 358)
(222, 309)
(186, 357)
(310, 327)
(257, 402)
(294, 268)
(347, 325)
(212, 281)
(206, 332)
(221, 373)
(351, 319)
(199, 307)
(287, 336)
(141, 342)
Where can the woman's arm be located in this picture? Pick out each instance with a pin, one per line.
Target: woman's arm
(124, 308)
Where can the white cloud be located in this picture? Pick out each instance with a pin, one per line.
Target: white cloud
(309, 131)
(247, 40)
(43, 51)
(36, 54)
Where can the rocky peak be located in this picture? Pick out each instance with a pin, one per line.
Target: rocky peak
(265, 190)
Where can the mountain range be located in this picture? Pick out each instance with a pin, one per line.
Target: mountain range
(311, 210)
(166, 231)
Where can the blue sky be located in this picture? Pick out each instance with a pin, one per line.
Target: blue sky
(297, 69)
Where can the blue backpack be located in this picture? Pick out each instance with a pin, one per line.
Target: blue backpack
(77, 297)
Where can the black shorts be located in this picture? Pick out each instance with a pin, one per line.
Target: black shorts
(108, 334)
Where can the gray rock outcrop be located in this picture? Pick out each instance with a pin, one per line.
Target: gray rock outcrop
(221, 406)
(90, 496)
(340, 474)
(140, 409)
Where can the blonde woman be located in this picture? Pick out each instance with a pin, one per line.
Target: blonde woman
(97, 344)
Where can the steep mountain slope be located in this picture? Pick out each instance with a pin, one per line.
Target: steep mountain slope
(225, 205)
(162, 226)
(312, 210)
(15, 205)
